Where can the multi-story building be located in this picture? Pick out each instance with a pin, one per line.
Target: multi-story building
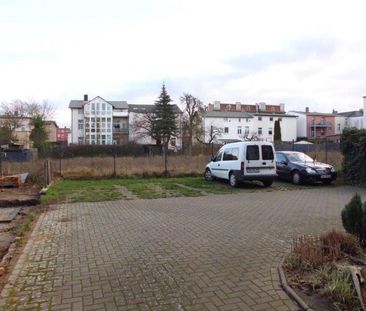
(315, 125)
(23, 128)
(238, 121)
(63, 134)
(98, 121)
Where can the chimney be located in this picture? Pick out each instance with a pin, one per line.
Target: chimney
(85, 97)
(307, 109)
(217, 105)
(238, 106)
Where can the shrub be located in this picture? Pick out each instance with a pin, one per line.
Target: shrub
(353, 147)
(352, 216)
(334, 242)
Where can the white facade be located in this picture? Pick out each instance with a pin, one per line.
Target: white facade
(259, 125)
(340, 123)
(300, 123)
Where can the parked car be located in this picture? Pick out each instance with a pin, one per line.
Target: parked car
(299, 167)
(250, 160)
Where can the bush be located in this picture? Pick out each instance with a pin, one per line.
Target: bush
(354, 218)
(334, 242)
(353, 147)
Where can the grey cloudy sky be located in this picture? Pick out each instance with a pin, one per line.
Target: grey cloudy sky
(301, 53)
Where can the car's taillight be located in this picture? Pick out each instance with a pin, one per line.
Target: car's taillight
(242, 167)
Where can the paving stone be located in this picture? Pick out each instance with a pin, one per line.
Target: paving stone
(204, 253)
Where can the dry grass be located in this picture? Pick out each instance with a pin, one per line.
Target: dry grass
(98, 167)
(334, 242)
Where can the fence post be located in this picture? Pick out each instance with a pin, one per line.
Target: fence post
(114, 165)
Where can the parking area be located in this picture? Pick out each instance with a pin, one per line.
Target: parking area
(213, 252)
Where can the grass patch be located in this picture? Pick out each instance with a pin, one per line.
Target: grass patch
(71, 191)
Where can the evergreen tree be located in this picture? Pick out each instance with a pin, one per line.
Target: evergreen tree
(164, 125)
(277, 137)
(38, 134)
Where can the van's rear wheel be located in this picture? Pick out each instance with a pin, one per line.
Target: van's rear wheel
(233, 180)
(208, 175)
(267, 183)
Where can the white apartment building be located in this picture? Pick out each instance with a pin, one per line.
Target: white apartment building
(98, 121)
(237, 121)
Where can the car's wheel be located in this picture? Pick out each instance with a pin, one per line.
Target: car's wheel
(233, 180)
(267, 183)
(208, 175)
(296, 178)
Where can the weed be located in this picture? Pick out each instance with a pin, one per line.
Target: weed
(334, 242)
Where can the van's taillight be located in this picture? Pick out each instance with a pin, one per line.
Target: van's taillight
(242, 167)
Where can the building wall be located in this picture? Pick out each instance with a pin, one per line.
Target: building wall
(75, 132)
(51, 130)
(340, 124)
(319, 132)
(260, 126)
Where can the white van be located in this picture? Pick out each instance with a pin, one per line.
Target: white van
(248, 160)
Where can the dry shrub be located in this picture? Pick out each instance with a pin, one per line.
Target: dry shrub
(334, 242)
(306, 254)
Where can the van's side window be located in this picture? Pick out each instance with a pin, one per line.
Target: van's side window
(218, 156)
(252, 152)
(235, 153)
(231, 154)
(267, 153)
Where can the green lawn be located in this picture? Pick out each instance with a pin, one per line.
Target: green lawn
(70, 191)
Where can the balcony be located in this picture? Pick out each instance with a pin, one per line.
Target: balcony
(120, 130)
(120, 113)
(321, 124)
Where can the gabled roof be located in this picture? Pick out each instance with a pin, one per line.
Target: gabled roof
(352, 114)
(116, 104)
(148, 108)
(227, 114)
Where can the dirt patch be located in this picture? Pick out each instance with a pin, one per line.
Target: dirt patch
(26, 195)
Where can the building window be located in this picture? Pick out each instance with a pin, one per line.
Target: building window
(246, 130)
(239, 130)
(259, 131)
(259, 118)
(239, 120)
(271, 119)
(338, 127)
(80, 124)
(270, 131)
(225, 119)
(280, 119)
(80, 111)
(226, 130)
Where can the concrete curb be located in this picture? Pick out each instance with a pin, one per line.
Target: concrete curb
(301, 303)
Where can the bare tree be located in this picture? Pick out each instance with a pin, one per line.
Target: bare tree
(43, 109)
(13, 114)
(143, 126)
(192, 117)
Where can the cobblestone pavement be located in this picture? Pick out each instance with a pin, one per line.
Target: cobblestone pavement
(216, 252)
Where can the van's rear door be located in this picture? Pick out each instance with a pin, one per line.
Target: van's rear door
(252, 160)
(260, 160)
(268, 160)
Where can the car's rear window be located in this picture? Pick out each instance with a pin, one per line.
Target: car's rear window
(252, 152)
(267, 153)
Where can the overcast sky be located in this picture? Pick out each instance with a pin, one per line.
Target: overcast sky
(301, 53)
